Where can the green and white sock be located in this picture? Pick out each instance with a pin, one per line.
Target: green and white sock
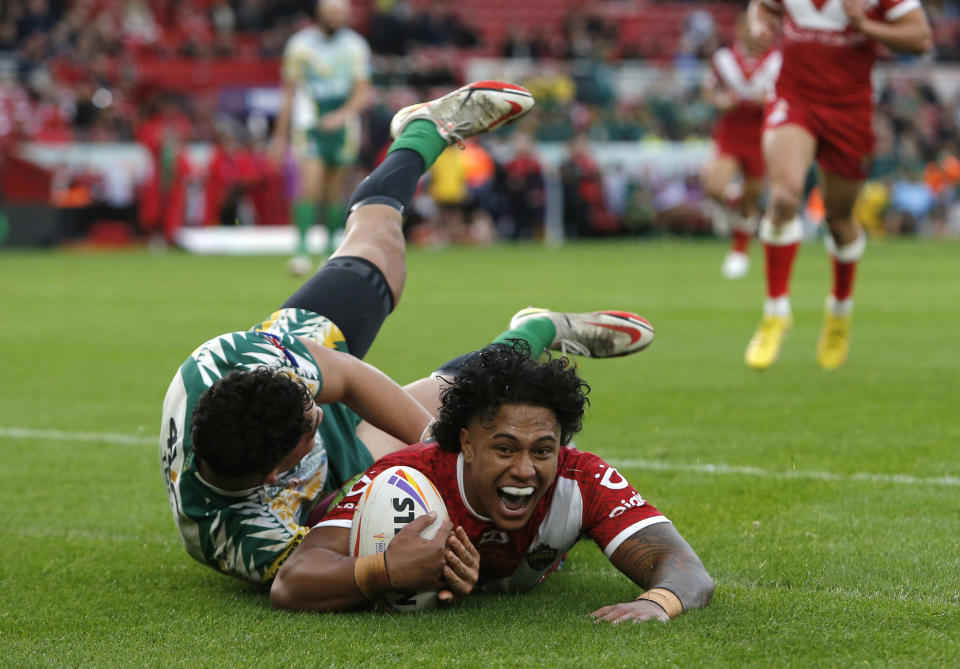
(304, 214)
(539, 333)
(421, 136)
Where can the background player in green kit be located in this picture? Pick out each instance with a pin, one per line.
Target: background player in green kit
(327, 67)
(246, 451)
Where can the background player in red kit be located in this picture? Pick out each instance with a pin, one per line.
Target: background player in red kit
(519, 495)
(738, 84)
(822, 110)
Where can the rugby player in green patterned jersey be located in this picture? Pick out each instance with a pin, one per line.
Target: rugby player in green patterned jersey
(326, 84)
(259, 427)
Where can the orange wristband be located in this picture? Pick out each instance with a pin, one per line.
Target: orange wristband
(370, 575)
(665, 599)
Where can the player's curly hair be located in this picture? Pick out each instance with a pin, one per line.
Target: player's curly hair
(248, 421)
(502, 374)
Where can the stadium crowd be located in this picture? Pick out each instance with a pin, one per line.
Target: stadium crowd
(116, 71)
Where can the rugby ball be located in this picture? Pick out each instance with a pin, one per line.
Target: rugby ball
(394, 498)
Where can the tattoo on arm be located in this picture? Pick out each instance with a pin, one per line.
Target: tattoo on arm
(657, 556)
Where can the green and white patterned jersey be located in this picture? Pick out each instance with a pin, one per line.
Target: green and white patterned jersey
(326, 67)
(249, 533)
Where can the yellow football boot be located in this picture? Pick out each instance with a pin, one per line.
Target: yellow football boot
(833, 347)
(763, 349)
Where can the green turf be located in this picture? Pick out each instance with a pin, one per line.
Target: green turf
(822, 556)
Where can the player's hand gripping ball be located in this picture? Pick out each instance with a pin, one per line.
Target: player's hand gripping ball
(393, 499)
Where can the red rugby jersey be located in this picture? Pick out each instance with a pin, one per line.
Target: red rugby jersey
(825, 60)
(751, 79)
(588, 497)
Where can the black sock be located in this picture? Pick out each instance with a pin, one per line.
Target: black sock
(395, 178)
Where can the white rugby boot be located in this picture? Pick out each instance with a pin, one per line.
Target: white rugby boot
(471, 110)
(594, 334)
(735, 265)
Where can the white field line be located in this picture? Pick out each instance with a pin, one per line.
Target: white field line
(60, 532)
(14, 433)
(736, 470)
(103, 438)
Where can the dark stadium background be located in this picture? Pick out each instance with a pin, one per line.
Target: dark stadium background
(612, 148)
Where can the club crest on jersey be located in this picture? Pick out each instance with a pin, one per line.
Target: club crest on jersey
(541, 556)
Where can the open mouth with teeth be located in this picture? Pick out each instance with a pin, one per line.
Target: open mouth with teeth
(514, 499)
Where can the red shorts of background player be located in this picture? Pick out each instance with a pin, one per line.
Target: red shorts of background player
(745, 150)
(844, 134)
(737, 134)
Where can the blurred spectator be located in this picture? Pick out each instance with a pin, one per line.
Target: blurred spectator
(638, 213)
(523, 186)
(448, 188)
(699, 37)
(521, 43)
(76, 73)
(37, 17)
(584, 208)
(439, 25)
(390, 31)
(164, 133)
(139, 25)
(8, 34)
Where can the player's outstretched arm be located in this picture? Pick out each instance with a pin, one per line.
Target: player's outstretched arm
(376, 397)
(661, 562)
(320, 575)
(909, 33)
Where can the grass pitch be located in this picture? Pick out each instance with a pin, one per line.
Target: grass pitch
(825, 505)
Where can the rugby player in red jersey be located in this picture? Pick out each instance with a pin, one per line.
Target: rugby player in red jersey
(822, 110)
(738, 84)
(519, 496)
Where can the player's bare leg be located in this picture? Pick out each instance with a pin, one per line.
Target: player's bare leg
(845, 244)
(427, 392)
(719, 179)
(750, 200)
(788, 151)
(743, 226)
(374, 232)
(717, 175)
(374, 226)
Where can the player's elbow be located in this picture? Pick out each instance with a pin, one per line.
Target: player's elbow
(700, 590)
(706, 588)
(288, 589)
(281, 594)
(921, 39)
(924, 42)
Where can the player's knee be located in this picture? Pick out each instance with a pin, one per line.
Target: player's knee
(714, 189)
(380, 241)
(784, 202)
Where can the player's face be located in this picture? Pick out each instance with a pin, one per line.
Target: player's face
(510, 462)
(333, 14)
(306, 443)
